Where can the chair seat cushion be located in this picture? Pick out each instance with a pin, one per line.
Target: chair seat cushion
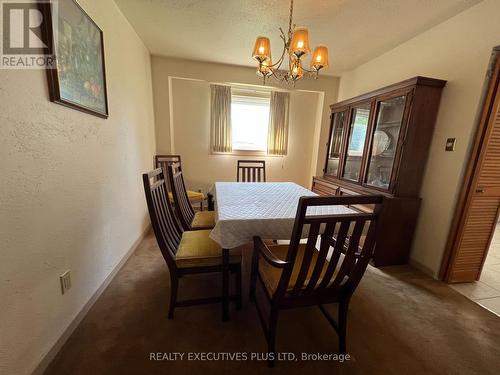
(203, 219)
(271, 275)
(197, 249)
(193, 196)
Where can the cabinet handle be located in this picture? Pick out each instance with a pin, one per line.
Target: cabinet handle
(480, 190)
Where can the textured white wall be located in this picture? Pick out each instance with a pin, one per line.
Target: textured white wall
(458, 51)
(164, 67)
(70, 191)
(191, 126)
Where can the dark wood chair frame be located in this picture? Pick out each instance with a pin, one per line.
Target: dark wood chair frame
(183, 207)
(163, 161)
(168, 234)
(341, 276)
(251, 171)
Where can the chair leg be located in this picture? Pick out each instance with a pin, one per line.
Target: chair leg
(271, 336)
(342, 323)
(174, 285)
(225, 285)
(238, 287)
(253, 274)
(210, 202)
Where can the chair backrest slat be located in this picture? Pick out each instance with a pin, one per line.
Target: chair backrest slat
(340, 236)
(163, 161)
(337, 252)
(183, 199)
(362, 261)
(173, 235)
(183, 207)
(167, 231)
(350, 254)
(306, 261)
(324, 247)
(251, 171)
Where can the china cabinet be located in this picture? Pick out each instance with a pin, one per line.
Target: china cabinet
(378, 144)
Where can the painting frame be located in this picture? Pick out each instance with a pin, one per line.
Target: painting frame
(53, 74)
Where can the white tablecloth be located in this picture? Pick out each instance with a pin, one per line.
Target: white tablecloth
(244, 210)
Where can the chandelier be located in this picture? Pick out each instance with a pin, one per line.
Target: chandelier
(295, 47)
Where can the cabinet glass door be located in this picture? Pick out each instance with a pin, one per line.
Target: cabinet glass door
(332, 163)
(385, 141)
(356, 143)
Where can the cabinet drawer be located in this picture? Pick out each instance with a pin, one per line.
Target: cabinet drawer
(359, 207)
(321, 188)
(344, 191)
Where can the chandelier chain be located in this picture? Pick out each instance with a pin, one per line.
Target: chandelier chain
(290, 20)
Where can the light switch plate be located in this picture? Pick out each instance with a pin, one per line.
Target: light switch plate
(65, 280)
(450, 144)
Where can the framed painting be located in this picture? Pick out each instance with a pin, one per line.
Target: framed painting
(78, 79)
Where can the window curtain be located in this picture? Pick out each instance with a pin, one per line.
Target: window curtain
(220, 118)
(277, 140)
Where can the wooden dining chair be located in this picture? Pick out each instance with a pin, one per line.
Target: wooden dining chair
(189, 219)
(163, 161)
(251, 171)
(298, 274)
(184, 252)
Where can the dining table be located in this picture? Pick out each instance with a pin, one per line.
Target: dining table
(244, 210)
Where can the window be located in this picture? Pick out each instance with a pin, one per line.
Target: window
(250, 121)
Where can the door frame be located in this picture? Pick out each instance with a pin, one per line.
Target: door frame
(475, 158)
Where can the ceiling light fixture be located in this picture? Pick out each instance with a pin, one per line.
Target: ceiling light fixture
(295, 47)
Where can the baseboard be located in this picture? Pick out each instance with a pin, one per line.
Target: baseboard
(419, 266)
(42, 366)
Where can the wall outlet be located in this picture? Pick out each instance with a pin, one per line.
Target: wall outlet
(65, 280)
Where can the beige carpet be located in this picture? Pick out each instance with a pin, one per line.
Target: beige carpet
(400, 322)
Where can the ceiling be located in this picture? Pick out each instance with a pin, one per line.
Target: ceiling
(224, 31)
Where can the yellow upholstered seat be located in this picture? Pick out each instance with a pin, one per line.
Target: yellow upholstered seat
(193, 196)
(271, 275)
(198, 249)
(203, 219)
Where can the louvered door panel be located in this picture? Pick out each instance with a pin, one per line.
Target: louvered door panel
(481, 214)
(489, 176)
(476, 237)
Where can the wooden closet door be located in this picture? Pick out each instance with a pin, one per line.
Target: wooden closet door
(483, 200)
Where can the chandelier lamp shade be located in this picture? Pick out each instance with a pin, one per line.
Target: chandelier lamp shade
(262, 49)
(295, 48)
(319, 58)
(299, 45)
